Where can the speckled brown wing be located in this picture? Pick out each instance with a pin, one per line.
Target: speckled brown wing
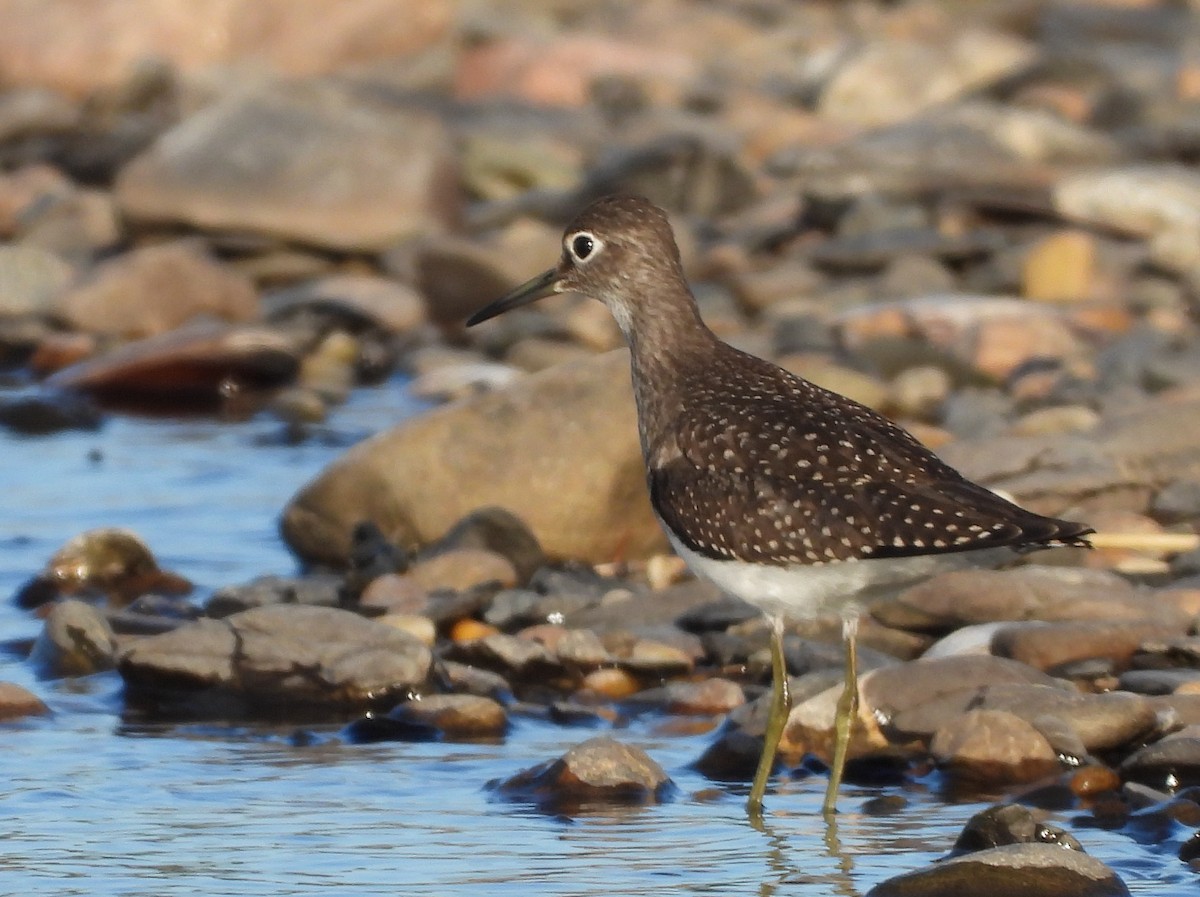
(818, 478)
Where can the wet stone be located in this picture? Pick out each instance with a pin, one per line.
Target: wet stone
(447, 608)
(75, 640)
(199, 365)
(454, 717)
(48, 412)
(1031, 870)
(1009, 824)
(1170, 763)
(267, 661)
(17, 702)
(110, 563)
(993, 746)
(599, 771)
(319, 590)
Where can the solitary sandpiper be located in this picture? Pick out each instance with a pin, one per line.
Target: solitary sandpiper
(793, 498)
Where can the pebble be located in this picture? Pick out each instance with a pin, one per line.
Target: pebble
(500, 531)
(454, 717)
(894, 80)
(598, 771)
(993, 746)
(56, 47)
(395, 593)
(17, 703)
(610, 682)
(1009, 824)
(519, 658)
(1060, 268)
(75, 640)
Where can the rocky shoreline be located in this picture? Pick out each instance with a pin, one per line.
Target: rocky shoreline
(981, 219)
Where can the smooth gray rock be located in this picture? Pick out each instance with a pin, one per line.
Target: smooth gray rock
(279, 657)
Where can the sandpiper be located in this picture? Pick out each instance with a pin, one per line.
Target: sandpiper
(789, 496)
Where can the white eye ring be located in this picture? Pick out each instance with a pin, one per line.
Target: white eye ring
(582, 246)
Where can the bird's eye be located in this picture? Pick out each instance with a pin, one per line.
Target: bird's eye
(582, 246)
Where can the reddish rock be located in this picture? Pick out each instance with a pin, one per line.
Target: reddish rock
(56, 44)
(204, 363)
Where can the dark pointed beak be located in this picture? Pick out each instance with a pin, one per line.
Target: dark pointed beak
(531, 290)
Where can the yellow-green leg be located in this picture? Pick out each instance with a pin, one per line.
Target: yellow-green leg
(847, 710)
(777, 715)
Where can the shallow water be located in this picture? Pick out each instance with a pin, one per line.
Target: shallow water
(96, 804)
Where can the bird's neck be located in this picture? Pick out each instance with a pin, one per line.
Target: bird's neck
(669, 344)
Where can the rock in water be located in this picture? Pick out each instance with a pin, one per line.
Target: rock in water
(282, 659)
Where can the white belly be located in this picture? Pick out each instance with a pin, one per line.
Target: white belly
(803, 591)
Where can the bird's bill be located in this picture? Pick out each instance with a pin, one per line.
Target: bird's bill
(542, 285)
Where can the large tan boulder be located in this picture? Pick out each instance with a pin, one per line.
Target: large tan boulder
(558, 449)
